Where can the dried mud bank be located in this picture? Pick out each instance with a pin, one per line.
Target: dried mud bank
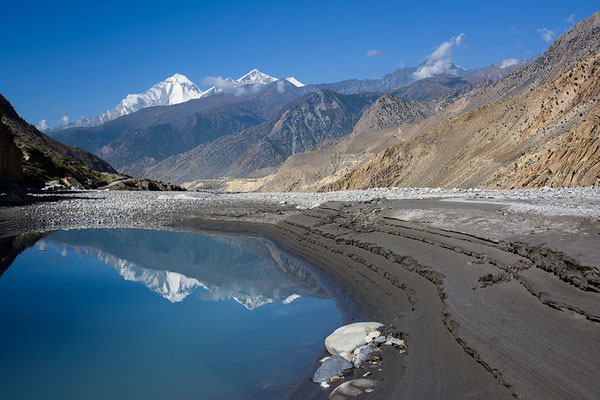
(498, 296)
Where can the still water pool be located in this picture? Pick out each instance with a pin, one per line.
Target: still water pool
(143, 314)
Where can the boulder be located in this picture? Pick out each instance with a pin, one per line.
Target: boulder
(331, 367)
(349, 337)
(72, 183)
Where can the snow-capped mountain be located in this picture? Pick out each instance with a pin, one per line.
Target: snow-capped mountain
(253, 78)
(171, 285)
(176, 89)
(294, 81)
(175, 287)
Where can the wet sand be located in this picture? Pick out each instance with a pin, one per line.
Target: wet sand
(494, 303)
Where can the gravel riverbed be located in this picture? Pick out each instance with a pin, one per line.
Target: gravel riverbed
(154, 209)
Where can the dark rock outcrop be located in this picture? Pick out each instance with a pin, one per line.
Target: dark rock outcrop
(34, 159)
(11, 158)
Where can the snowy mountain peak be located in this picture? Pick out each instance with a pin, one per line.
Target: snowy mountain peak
(294, 81)
(255, 77)
(179, 79)
(173, 90)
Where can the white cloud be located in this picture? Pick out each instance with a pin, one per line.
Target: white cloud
(509, 62)
(373, 53)
(218, 82)
(546, 34)
(64, 120)
(280, 85)
(42, 125)
(440, 60)
(226, 85)
(571, 19)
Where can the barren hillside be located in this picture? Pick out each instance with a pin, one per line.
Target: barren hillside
(506, 144)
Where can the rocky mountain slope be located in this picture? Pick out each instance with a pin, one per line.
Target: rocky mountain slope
(304, 125)
(389, 111)
(571, 159)
(572, 47)
(28, 138)
(309, 170)
(541, 137)
(44, 159)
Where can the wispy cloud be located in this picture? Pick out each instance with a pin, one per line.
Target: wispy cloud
(64, 120)
(218, 82)
(42, 125)
(571, 19)
(440, 60)
(281, 85)
(226, 85)
(546, 34)
(373, 53)
(509, 62)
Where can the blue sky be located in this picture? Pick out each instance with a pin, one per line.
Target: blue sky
(81, 58)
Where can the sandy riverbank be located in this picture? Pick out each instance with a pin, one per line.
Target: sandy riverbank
(498, 294)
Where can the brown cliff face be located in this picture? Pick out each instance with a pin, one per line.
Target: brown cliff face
(570, 160)
(545, 136)
(11, 158)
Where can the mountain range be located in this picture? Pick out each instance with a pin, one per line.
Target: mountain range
(156, 133)
(174, 90)
(180, 142)
(447, 148)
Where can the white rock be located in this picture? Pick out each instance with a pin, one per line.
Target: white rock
(372, 336)
(349, 337)
(348, 356)
(395, 341)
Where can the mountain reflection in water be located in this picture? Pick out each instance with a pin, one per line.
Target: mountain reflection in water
(247, 269)
(79, 322)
